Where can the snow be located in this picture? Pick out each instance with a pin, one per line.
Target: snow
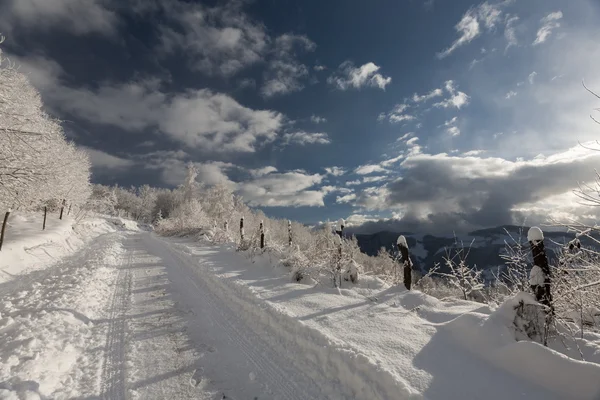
(133, 315)
(402, 241)
(27, 247)
(535, 234)
(536, 276)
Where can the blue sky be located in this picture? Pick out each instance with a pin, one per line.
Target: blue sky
(410, 115)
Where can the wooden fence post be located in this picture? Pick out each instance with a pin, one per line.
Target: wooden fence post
(4, 227)
(45, 212)
(406, 261)
(289, 233)
(540, 283)
(242, 230)
(62, 208)
(262, 235)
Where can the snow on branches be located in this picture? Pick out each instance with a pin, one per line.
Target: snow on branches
(37, 164)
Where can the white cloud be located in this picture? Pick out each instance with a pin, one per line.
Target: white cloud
(304, 138)
(451, 122)
(353, 183)
(471, 153)
(469, 27)
(285, 73)
(216, 122)
(317, 120)
(262, 171)
(319, 67)
(219, 40)
(345, 199)
(369, 169)
(348, 76)
(510, 94)
(391, 161)
(397, 114)
(549, 23)
(428, 96)
(453, 131)
(531, 77)
(283, 77)
(289, 189)
(200, 119)
(335, 171)
(510, 33)
(75, 16)
(405, 136)
(103, 160)
(457, 98)
(396, 118)
(371, 179)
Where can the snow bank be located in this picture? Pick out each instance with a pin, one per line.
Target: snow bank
(27, 247)
(492, 337)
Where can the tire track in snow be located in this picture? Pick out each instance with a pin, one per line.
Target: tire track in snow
(113, 381)
(280, 378)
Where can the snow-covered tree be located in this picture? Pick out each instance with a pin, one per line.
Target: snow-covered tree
(37, 163)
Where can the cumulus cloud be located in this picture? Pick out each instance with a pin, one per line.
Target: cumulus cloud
(510, 94)
(75, 16)
(200, 119)
(348, 76)
(549, 24)
(442, 193)
(304, 138)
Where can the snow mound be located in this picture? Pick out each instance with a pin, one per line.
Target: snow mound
(493, 338)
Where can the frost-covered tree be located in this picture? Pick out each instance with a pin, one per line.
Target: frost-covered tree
(37, 164)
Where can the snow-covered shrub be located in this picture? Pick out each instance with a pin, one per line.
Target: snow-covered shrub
(464, 277)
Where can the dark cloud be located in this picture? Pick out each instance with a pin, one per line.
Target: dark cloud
(443, 194)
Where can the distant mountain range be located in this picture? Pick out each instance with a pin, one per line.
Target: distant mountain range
(486, 245)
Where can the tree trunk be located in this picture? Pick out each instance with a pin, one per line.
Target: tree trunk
(45, 212)
(4, 228)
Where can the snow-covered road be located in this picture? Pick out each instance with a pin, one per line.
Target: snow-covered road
(126, 317)
(131, 315)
